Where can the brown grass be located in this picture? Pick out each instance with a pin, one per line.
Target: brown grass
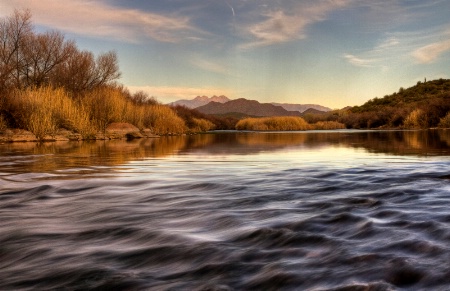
(201, 125)
(42, 111)
(282, 123)
(328, 125)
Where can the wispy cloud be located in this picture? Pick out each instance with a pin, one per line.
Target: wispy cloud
(283, 25)
(430, 53)
(378, 56)
(99, 19)
(168, 94)
(388, 43)
(398, 47)
(359, 62)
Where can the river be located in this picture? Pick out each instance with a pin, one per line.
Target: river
(330, 210)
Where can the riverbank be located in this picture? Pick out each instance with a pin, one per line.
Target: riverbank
(117, 130)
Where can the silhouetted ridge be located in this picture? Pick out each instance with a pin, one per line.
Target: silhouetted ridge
(247, 107)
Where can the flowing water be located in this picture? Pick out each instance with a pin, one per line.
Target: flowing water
(333, 210)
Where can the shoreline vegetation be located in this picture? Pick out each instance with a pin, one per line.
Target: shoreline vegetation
(51, 90)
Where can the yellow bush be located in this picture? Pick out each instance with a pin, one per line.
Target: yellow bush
(109, 105)
(42, 111)
(445, 121)
(416, 119)
(163, 120)
(201, 125)
(327, 125)
(105, 105)
(287, 123)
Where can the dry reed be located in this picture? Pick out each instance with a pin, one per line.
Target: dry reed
(281, 123)
(328, 125)
(42, 111)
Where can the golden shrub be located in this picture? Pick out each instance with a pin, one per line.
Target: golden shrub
(445, 121)
(328, 125)
(201, 125)
(281, 123)
(43, 110)
(416, 119)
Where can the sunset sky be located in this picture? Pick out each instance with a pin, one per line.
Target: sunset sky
(329, 52)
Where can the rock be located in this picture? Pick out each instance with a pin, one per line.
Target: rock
(20, 135)
(147, 132)
(117, 130)
(113, 131)
(55, 138)
(133, 135)
(100, 136)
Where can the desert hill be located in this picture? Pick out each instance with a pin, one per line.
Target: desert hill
(203, 100)
(302, 107)
(200, 101)
(245, 107)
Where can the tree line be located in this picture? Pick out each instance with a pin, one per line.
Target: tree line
(31, 59)
(47, 83)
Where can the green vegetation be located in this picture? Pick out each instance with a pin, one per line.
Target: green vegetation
(421, 106)
(424, 105)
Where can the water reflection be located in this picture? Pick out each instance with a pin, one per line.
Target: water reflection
(47, 157)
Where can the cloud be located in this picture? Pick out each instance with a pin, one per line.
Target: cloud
(99, 19)
(358, 61)
(285, 25)
(168, 94)
(429, 53)
(388, 43)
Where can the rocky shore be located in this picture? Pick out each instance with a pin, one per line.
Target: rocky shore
(113, 131)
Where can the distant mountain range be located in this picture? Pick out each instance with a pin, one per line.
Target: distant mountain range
(200, 101)
(243, 107)
(222, 105)
(302, 107)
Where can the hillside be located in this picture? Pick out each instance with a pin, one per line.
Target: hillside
(199, 101)
(421, 106)
(424, 105)
(302, 107)
(247, 107)
(313, 111)
(418, 94)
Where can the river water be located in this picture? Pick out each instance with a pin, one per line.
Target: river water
(332, 210)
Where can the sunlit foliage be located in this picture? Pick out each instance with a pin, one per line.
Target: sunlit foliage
(43, 110)
(445, 121)
(327, 125)
(287, 123)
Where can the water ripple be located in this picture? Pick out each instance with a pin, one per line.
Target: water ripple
(234, 223)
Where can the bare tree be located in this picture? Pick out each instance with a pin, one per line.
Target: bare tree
(13, 32)
(106, 69)
(41, 54)
(31, 59)
(82, 72)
